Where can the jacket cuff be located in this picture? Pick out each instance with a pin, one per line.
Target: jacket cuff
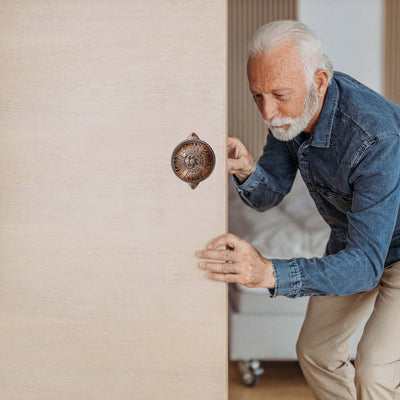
(287, 278)
(251, 182)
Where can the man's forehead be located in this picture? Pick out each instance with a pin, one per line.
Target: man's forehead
(285, 49)
(276, 87)
(280, 67)
(281, 57)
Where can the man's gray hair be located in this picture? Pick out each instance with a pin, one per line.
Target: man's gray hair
(305, 40)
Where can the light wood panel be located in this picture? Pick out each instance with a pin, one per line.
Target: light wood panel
(245, 17)
(392, 50)
(100, 295)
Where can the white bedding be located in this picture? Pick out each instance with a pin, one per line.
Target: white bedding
(292, 229)
(261, 327)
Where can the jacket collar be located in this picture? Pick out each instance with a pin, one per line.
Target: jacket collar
(323, 129)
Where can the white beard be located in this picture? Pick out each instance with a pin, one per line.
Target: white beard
(298, 124)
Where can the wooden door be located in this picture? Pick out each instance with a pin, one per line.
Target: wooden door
(100, 294)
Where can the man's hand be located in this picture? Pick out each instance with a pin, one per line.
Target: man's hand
(240, 162)
(242, 263)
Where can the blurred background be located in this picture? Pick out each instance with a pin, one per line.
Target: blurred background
(362, 39)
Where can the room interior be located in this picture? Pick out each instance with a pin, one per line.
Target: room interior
(263, 331)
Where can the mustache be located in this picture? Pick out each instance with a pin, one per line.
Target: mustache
(275, 122)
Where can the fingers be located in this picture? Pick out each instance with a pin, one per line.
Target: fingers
(224, 272)
(221, 271)
(234, 166)
(235, 148)
(223, 255)
(227, 239)
(233, 260)
(229, 271)
(219, 268)
(240, 162)
(233, 141)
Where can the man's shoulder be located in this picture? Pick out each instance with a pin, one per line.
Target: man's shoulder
(366, 109)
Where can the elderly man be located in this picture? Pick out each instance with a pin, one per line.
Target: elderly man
(345, 141)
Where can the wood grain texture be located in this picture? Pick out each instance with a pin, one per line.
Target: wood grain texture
(245, 17)
(100, 295)
(392, 50)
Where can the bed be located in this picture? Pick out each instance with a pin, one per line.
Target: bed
(261, 327)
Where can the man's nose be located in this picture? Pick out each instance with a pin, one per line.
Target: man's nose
(269, 109)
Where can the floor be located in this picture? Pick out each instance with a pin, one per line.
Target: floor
(280, 381)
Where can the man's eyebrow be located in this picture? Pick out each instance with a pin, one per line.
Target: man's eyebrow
(278, 89)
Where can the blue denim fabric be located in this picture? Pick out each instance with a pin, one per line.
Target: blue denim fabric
(351, 166)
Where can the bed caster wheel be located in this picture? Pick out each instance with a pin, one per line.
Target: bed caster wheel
(250, 371)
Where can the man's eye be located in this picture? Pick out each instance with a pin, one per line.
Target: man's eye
(257, 97)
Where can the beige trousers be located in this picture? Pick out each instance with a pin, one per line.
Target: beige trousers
(322, 348)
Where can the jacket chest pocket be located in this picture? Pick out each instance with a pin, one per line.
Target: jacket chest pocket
(340, 201)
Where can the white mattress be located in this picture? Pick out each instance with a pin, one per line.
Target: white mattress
(292, 229)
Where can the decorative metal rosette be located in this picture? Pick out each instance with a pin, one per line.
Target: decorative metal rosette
(193, 160)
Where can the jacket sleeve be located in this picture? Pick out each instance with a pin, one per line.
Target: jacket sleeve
(371, 222)
(272, 179)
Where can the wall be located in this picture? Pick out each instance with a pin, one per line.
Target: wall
(245, 17)
(392, 50)
(351, 32)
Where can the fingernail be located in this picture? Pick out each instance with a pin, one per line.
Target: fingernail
(198, 253)
(209, 246)
(202, 265)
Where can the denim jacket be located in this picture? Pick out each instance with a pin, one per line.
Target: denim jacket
(351, 166)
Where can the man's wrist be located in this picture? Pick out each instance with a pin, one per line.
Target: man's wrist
(242, 178)
(269, 275)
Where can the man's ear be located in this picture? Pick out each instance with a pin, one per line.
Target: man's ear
(321, 79)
